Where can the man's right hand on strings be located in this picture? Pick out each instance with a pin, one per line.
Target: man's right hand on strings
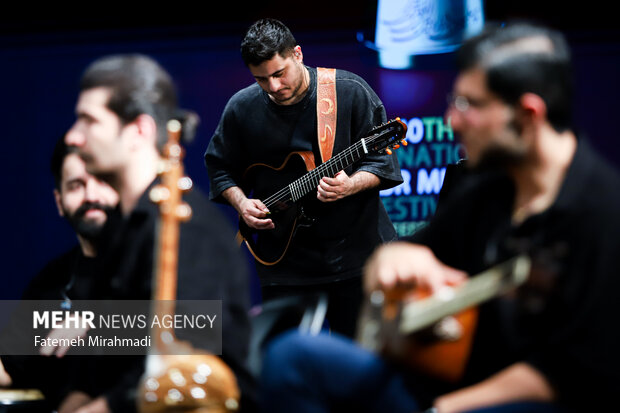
(403, 264)
(253, 212)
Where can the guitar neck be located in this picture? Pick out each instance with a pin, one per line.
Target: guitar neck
(168, 194)
(379, 139)
(344, 159)
(420, 314)
(308, 182)
(165, 281)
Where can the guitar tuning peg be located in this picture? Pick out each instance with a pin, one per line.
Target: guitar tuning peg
(388, 151)
(185, 183)
(175, 150)
(162, 167)
(404, 142)
(396, 146)
(159, 193)
(183, 212)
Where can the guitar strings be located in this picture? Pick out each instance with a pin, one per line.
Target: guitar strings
(316, 174)
(312, 179)
(282, 195)
(307, 179)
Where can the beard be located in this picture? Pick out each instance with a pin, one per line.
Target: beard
(297, 90)
(501, 157)
(85, 227)
(497, 158)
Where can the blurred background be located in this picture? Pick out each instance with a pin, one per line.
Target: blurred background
(403, 48)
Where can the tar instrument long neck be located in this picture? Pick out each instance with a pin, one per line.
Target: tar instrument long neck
(178, 377)
(168, 194)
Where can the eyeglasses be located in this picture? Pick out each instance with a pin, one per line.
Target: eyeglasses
(463, 104)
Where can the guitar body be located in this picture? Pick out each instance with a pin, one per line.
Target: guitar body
(433, 333)
(434, 354)
(440, 350)
(262, 181)
(446, 358)
(284, 188)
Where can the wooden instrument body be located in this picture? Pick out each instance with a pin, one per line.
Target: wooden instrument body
(261, 181)
(434, 351)
(434, 334)
(284, 188)
(196, 383)
(178, 377)
(445, 358)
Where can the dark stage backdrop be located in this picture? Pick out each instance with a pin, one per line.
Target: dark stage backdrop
(40, 66)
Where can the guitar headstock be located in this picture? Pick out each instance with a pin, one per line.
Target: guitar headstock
(386, 137)
(173, 182)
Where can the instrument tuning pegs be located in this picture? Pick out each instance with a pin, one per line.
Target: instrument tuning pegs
(162, 166)
(396, 146)
(173, 126)
(184, 212)
(404, 142)
(175, 151)
(159, 193)
(185, 183)
(388, 151)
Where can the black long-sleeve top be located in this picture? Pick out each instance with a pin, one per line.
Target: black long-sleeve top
(253, 129)
(562, 321)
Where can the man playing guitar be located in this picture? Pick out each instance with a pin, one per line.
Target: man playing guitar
(267, 121)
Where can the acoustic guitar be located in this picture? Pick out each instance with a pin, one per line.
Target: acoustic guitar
(284, 188)
(177, 376)
(434, 333)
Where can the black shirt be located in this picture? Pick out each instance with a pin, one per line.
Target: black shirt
(210, 267)
(253, 129)
(62, 278)
(562, 321)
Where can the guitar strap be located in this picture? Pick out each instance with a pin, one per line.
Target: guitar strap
(326, 110)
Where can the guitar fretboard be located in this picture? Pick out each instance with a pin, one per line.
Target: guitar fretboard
(308, 182)
(381, 137)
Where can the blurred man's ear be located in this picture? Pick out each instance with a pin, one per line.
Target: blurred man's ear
(145, 130)
(58, 199)
(534, 107)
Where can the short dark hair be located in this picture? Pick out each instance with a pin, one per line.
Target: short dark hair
(138, 85)
(522, 57)
(264, 39)
(60, 152)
